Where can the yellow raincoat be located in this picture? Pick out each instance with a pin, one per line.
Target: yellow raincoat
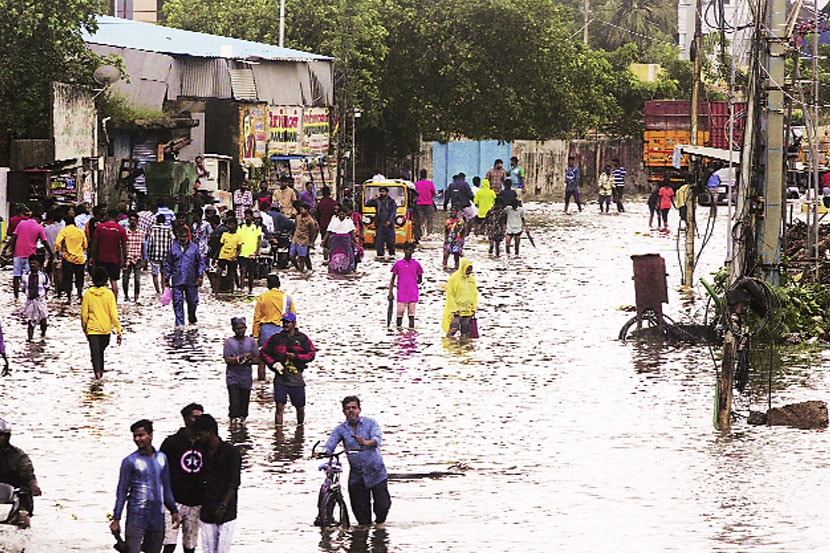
(484, 199)
(462, 294)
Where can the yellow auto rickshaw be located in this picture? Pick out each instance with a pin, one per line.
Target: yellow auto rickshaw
(399, 190)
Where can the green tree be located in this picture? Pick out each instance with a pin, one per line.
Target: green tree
(641, 22)
(256, 20)
(41, 41)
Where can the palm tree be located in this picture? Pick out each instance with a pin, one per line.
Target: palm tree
(638, 21)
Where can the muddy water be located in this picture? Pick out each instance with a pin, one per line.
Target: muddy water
(571, 441)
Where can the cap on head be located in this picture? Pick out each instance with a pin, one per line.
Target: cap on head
(5, 428)
(290, 317)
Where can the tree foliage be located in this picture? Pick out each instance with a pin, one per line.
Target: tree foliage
(639, 22)
(436, 69)
(41, 42)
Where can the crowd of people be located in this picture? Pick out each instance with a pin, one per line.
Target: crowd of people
(194, 476)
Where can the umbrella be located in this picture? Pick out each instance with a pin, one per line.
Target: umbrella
(529, 237)
(389, 311)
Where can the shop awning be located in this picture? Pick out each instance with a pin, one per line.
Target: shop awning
(705, 151)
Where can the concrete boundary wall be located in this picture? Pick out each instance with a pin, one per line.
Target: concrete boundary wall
(545, 162)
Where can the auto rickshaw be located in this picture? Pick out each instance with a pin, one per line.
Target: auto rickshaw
(400, 191)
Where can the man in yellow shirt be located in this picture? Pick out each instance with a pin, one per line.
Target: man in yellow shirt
(99, 317)
(251, 234)
(268, 312)
(72, 242)
(681, 200)
(231, 246)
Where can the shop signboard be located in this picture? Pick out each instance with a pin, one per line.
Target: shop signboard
(253, 131)
(315, 131)
(284, 130)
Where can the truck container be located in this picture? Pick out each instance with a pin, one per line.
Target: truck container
(668, 123)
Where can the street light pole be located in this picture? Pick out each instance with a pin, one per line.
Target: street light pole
(355, 115)
(282, 23)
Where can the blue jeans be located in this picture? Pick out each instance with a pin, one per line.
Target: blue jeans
(180, 295)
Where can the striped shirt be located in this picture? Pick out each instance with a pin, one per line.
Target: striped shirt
(619, 176)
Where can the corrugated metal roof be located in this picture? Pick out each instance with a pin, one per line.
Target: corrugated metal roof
(113, 31)
(243, 84)
(204, 78)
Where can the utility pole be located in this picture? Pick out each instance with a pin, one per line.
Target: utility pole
(691, 199)
(282, 23)
(586, 19)
(768, 221)
(762, 178)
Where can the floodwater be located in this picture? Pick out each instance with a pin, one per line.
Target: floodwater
(567, 439)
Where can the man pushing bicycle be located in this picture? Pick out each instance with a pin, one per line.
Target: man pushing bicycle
(361, 437)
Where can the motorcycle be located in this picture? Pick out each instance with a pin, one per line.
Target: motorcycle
(13, 521)
(280, 246)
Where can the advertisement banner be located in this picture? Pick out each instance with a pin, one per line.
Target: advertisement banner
(316, 130)
(284, 130)
(253, 131)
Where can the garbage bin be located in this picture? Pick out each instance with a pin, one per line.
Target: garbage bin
(650, 287)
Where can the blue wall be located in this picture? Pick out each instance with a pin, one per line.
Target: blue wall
(473, 158)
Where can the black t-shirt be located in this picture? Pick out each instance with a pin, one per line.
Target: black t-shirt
(186, 464)
(221, 473)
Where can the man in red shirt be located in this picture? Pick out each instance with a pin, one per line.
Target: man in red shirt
(109, 248)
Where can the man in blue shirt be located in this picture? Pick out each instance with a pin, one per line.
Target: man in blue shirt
(361, 437)
(572, 180)
(183, 270)
(145, 480)
(386, 210)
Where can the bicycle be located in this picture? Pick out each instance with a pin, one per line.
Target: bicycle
(331, 507)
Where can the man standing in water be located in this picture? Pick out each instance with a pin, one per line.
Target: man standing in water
(108, 249)
(572, 181)
(183, 270)
(144, 487)
(220, 476)
(496, 176)
(16, 470)
(239, 352)
(386, 209)
(287, 353)
(368, 480)
(619, 184)
(186, 461)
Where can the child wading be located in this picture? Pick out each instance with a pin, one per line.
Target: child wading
(35, 286)
(495, 224)
(409, 275)
(454, 230)
(99, 316)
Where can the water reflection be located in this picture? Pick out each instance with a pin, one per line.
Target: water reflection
(287, 449)
(627, 426)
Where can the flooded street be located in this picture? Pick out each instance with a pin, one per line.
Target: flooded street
(571, 440)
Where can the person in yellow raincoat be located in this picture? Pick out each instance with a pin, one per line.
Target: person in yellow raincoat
(484, 200)
(462, 300)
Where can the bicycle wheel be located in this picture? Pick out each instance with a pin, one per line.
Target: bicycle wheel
(336, 512)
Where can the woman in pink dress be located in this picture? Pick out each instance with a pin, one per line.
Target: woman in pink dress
(409, 274)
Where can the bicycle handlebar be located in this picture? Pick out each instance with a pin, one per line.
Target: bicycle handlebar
(335, 455)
